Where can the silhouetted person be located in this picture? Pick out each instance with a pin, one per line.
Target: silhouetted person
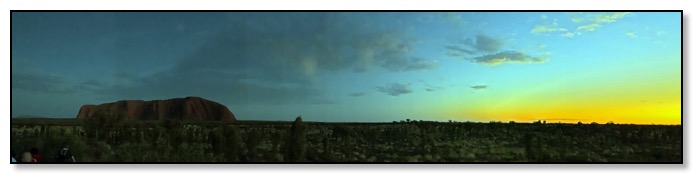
(35, 155)
(27, 158)
(65, 156)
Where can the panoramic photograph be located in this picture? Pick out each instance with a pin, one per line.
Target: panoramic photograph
(346, 87)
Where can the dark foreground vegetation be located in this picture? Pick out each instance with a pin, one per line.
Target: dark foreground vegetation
(112, 138)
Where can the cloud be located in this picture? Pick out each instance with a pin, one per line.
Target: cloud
(598, 20)
(486, 44)
(358, 94)
(546, 28)
(394, 89)
(479, 87)
(40, 82)
(456, 19)
(589, 27)
(505, 57)
(543, 29)
(213, 85)
(485, 50)
(632, 35)
(399, 64)
(552, 28)
(90, 85)
(317, 43)
(594, 23)
(459, 49)
(568, 34)
(431, 88)
(609, 18)
(541, 46)
(480, 44)
(253, 60)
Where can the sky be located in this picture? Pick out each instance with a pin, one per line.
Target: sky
(357, 66)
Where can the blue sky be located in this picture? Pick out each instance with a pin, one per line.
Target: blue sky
(356, 66)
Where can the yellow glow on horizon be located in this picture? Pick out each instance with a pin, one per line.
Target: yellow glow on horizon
(630, 95)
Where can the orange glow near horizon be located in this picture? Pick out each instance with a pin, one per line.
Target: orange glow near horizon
(628, 95)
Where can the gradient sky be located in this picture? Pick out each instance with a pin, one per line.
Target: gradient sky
(357, 67)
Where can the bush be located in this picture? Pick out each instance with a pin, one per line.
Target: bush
(234, 140)
(296, 145)
(104, 125)
(253, 138)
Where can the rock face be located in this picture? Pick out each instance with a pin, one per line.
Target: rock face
(189, 108)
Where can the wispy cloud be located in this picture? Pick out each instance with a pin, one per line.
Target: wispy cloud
(358, 94)
(486, 44)
(417, 64)
(90, 85)
(236, 90)
(507, 56)
(544, 29)
(609, 18)
(601, 19)
(479, 87)
(575, 17)
(253, 62)
(587, 22)
(458, 50)
(431, 88)
(589, 27)
(394, 89)
(568, 34)
(632, 35)
(468, 46)
(40, 82)
(486, 50)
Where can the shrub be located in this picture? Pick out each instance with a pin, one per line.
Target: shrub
(296, 145)
(217, 139)
(253, 138)
(234, 141)
(102, 124)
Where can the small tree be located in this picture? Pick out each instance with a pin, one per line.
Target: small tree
(174, 130)
(103, 124)
(342, 131)
(253, 138)
(296, 145)
(217, 139)
(234, 140)
(276, 141)
(529, 149)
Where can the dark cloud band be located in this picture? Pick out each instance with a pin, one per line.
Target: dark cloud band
(394, 89)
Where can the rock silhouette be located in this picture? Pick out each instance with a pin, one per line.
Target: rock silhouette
(189, 108)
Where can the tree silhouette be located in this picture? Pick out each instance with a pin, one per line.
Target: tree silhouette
(296, 145)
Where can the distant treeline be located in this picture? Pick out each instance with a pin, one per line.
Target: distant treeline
(76, 122)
